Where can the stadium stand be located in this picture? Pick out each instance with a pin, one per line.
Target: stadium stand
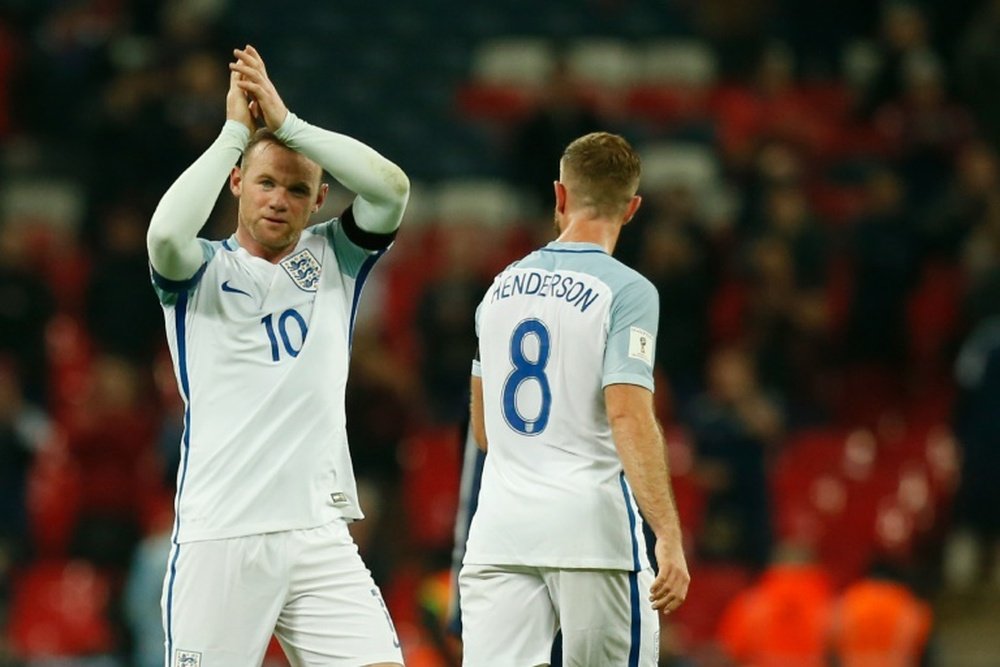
(753, 128)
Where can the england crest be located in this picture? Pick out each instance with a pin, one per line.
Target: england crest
(303, 268)
(187, 658)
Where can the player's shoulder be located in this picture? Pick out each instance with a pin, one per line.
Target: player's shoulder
(219, 250)
(618, 275)
(632, 277)
(624, 272)
(627, 284)
(322, 229)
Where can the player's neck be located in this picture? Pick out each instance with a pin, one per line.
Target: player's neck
(590, 230)
(248, 243)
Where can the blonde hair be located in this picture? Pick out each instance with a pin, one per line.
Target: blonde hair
(602, 170)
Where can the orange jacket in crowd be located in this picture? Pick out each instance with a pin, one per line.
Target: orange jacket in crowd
(782, 621)
(880, 624)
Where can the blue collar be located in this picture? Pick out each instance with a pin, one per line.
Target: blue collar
(573, 246)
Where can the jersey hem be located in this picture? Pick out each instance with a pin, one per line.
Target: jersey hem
(625, 565)
(207, 535)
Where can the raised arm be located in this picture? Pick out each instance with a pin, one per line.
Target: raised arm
(172, 239)
(381, 187)
(642, 451)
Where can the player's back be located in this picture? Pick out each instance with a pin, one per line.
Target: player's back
(552, 477)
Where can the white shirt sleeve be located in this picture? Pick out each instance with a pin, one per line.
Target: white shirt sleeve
(172, 239)
(381, 187)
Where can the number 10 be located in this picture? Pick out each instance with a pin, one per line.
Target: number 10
(268, 323)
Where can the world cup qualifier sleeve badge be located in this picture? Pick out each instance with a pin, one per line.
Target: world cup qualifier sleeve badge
(304, 269)
(186, 658)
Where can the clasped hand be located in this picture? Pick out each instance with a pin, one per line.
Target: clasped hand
(252, 98)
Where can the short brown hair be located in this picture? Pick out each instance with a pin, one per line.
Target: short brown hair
(261, 136)
(265, 136)
(602, 169)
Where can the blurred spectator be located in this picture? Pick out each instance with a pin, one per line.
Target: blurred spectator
(191, 23)
(735, 29)
(675, 255)
(110, 442)
(733, 425)
(975, 545)
(972, 200)
(26, 306)
(879, 621)
(787, 215)
(925, 127)
(119, 286)
(381, 409)
(138, 127)
(538, 141)
(24, 430)
(9, 45)
(904, 36)
(144, 587)
(446, 324)
(379, 401)
(787, 318)
(193, 109)
(885, 255)
(980, 261)
(784, 618)
(131, 132)
(978, 69)
(775, 163)
(818, 31)
(66, 60)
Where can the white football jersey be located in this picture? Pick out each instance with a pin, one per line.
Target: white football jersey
(554, 329)
(261, 353)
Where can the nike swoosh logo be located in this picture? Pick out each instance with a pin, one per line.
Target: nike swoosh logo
(226, 287)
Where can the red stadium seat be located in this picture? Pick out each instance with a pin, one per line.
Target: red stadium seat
(60, 609)
(497, 103)
(726, 312)
(53, 499)
(933, 314)
(431, 469)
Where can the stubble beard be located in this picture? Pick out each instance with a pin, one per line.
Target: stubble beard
(272, 244)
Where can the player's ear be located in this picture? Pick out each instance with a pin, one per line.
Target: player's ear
(236, 181)
(324, 190)
(633, 206)
(560, 190)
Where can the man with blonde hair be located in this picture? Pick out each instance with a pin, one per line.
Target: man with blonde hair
(562, 397)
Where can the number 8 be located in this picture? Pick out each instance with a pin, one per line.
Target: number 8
(526, 369)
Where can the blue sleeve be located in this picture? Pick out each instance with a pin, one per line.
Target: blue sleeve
(167, 289)
(630, 353)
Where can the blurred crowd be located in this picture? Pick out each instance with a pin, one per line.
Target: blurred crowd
(821, 219)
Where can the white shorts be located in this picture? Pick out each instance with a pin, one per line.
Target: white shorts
(222, 600)
(510, 616)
